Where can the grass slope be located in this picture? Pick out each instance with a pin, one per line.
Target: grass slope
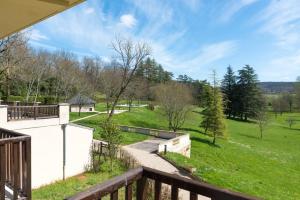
(73, 185)
(267, 168)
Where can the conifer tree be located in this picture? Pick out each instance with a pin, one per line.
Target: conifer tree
(213, 120)
(228, 89)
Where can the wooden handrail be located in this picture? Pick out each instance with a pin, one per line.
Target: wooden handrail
(142, 174)
(32, 112)
(15, 164)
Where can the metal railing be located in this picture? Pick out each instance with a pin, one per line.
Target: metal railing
(15, 165)
(140, 177)
(32, 112)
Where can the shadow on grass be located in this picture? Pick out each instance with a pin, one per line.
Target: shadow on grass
(292, 129)
(192, 130)
(144, 124)
(249, 136)
(241, 120)
(205, 141)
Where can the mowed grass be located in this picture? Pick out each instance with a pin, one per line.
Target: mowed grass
(267, 168)
(73, 185)
(74, 115)
(127, 137)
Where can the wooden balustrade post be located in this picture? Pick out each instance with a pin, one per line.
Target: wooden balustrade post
(2, 171)
(157, 192)
(174, 193)
(141, 188)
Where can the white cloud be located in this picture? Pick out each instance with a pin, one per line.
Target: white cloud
(281, 19)
(233, 7)
(284, 68)
(89, 11)
(128, 20)
(36, 35)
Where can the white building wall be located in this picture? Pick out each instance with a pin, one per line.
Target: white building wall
(47, 146)
(79, 141)
(75, 108)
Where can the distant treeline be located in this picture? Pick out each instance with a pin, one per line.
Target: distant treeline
(277, 87)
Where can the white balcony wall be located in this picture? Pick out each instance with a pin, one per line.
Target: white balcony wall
(47, 145)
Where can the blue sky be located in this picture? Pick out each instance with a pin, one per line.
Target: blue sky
(190, 37)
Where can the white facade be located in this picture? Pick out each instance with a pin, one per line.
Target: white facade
(85, 108)
(58, 148)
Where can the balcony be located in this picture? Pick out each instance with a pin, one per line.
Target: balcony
(32, 112)
(15, 165)
(140, 177)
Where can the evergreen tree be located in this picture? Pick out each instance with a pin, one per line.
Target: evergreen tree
(228, 88)
(248, 93)
(213, 120)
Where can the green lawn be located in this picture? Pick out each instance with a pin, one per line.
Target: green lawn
(268, 168)
(71, 186)
(127, 138)
(74, 115)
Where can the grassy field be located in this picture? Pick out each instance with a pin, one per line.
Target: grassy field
(127, 138)
(74, 115)
(267, 168)
(71, 186)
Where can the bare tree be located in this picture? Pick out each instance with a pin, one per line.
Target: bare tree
(135, 90)
(110, 83)
(12, 52)
(175, 99)
(129, 56)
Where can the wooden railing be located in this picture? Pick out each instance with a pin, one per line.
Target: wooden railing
(140, 177)
(32, 112)
(15, 165)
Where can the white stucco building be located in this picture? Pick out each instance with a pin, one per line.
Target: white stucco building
(59, 149)
(81, 103)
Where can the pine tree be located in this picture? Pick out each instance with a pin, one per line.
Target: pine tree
(248, 93)
(228, 89)
(214, 120)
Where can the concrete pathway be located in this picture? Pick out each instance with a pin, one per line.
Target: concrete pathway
(143, 152)
(98, 113)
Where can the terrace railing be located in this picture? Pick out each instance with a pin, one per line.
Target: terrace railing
(142, 174)
(32, 112)
(15, 165)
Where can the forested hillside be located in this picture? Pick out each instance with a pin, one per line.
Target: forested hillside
(277, 87)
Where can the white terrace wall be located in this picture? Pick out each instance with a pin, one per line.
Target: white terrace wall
(47, 145)
(180, 144)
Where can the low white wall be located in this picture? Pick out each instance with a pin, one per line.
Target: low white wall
(83, 109)
(47, 152)
(180, 144)
(79, 141)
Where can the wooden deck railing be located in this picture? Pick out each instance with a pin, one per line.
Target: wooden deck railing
(32, 112)
(15, 165)
(139, 176)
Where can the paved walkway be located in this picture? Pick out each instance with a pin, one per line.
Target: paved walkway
(116, 112)
(143, 153)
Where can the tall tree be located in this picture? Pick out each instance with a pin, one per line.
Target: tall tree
(129, 55)
(228, 88)
(248, 92)
(213, 119)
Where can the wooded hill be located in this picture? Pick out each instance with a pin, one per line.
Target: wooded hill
(277, 87)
